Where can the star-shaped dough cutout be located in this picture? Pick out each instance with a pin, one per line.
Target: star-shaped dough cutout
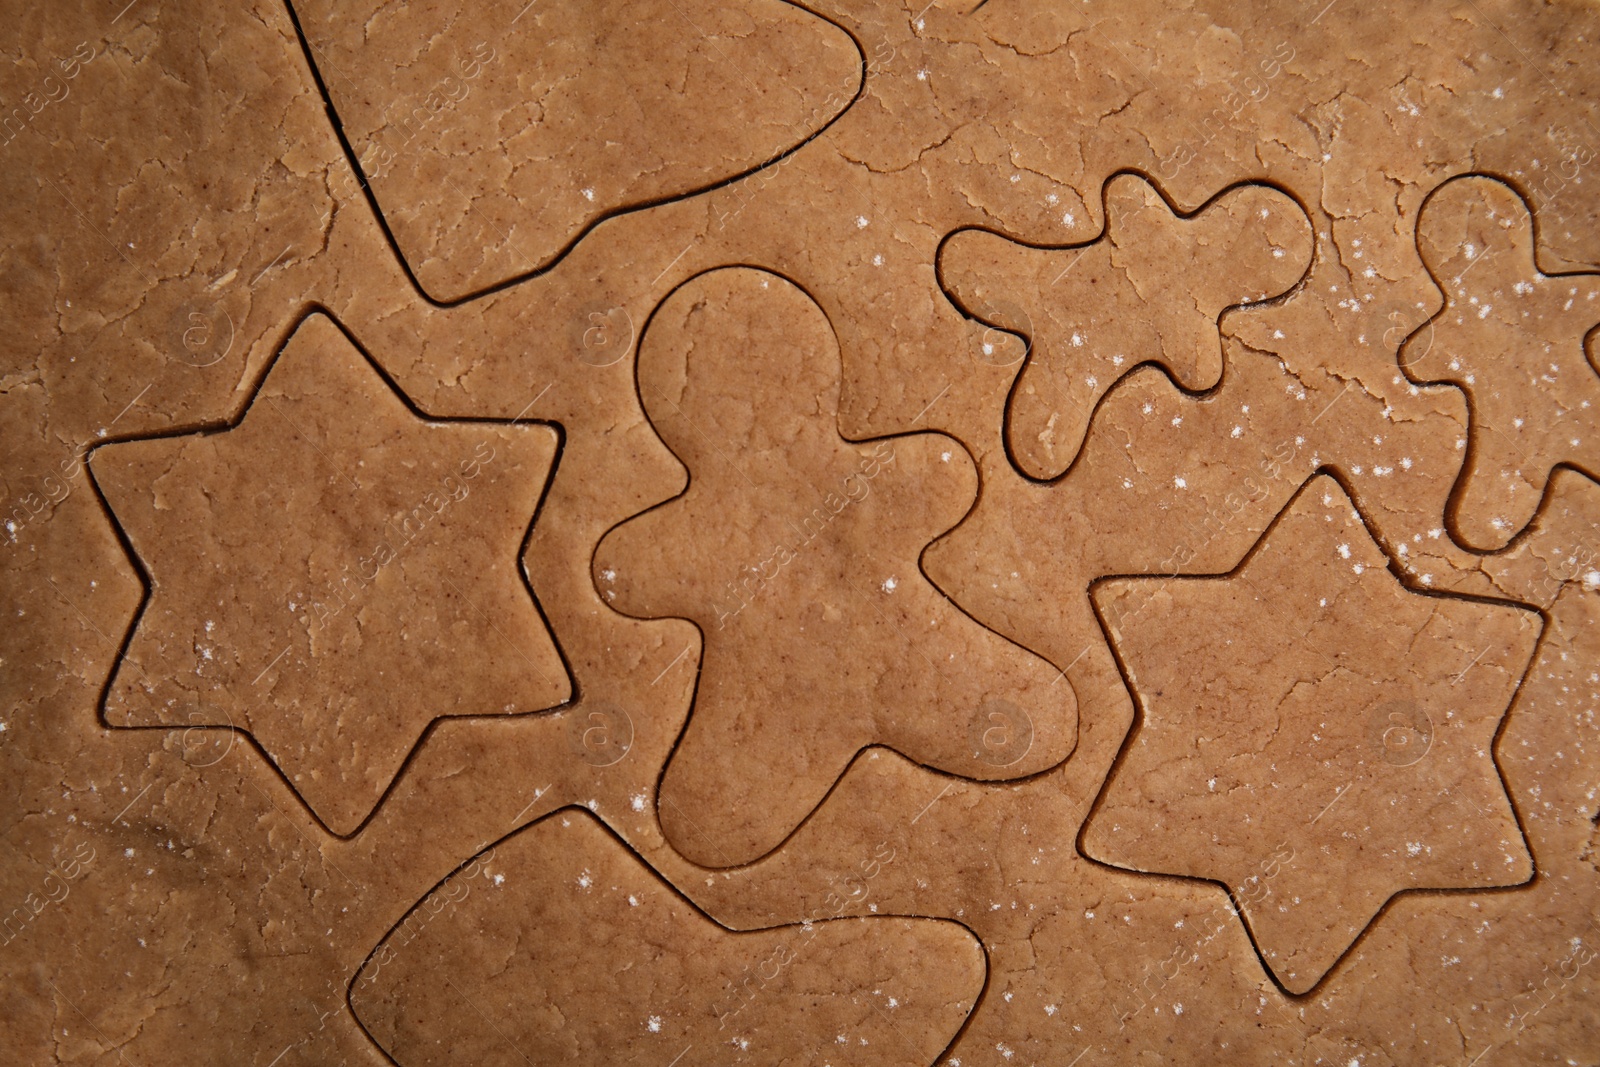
(331, 573)
(1307, 713)
(796, 552)
(1514, 339)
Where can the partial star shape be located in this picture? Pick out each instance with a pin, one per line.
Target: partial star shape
(1514, 339)
(331, 572)
(797, 553)
(1308, 714)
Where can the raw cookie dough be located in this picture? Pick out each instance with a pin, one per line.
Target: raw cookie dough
(414, 227)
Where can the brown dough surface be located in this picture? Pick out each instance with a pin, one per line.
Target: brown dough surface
(570, 200)
(1310, 677)
(385, 622)
(558, 946)
(1152, 287)
(1516, 341)
(795, 551)
(493, 133)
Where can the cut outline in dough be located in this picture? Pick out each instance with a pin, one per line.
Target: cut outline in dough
(955, 605)
(1007, 432)
(352, 159)
(1139, 718)
(1475, 426)
(582, 813)
(213, 427)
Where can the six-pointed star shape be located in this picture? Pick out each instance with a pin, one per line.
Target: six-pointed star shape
(796, 552)
(1304, 714)
(1514, 339)
(331, 573)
